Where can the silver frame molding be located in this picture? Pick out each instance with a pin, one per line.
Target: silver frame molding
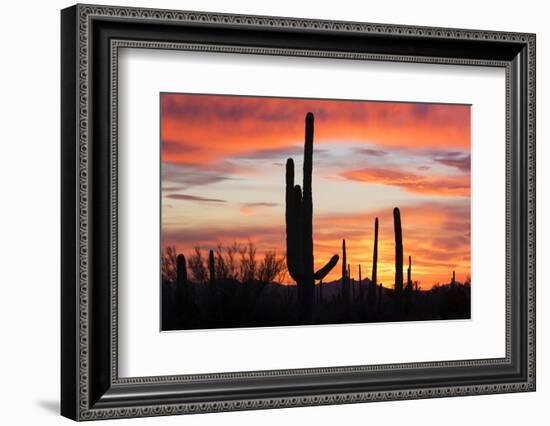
(91, 387)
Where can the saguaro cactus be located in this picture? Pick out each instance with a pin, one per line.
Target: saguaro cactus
(181, 282)
(299, 230)
(211, 270)
(408, 290)
(409, 282)
(360, 286)
(454, 278)
(345, 277)
(371, 295)
(379, 290)
(375, 252)
(344, 259)
(350, 284)
(398, 251)
(181, 269)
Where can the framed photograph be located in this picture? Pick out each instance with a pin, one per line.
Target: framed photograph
(263, 212)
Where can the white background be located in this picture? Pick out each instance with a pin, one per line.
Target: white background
(29, 226)
(142, 346)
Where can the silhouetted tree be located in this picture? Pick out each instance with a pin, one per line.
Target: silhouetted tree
(220, 265)
(231, 261)
(197, 265)
(248, 262)
(270, 267)
(168, 263)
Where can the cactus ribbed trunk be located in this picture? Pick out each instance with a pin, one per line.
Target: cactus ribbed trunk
(398, 251)
(299, 230)
(454, 278)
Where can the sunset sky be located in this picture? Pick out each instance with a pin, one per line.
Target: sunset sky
(223, 174)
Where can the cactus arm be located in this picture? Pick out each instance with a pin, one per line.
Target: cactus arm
(323, 272)
(293, 224)
(291, 217)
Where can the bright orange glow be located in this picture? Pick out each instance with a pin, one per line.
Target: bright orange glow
(223, 179)
(436, 185)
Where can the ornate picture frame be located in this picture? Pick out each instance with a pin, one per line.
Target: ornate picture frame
(91, 37)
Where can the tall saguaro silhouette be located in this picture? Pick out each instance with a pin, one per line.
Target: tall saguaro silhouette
(398, 251)
(371, 295)
(299, 230)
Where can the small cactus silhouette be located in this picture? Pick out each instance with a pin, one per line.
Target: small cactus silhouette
(408, 289)
(409, 282)
(371, 294)
(211, 270)
(181, 283)
(360, 286)
(345, 277)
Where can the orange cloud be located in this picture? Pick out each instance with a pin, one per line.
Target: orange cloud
(198, 129)
(422, 184)
(250, 209)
